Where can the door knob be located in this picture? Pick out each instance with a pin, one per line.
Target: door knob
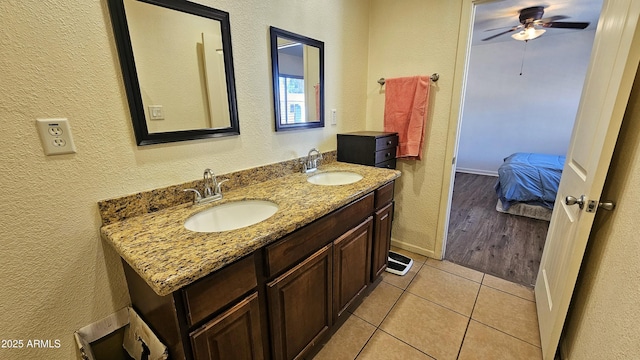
(570, 200)
(607, 205)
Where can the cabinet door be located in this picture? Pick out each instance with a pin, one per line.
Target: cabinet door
(351, 265)
(381, 240)
(235, 334)
(300, 306)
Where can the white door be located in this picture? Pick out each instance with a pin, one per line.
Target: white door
(614, 62)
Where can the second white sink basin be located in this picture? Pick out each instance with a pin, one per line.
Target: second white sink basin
(335, 178)
(231, 216)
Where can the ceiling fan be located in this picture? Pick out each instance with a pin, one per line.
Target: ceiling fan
(532, 24)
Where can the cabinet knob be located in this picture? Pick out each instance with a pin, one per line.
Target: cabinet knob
(389, 142)
(388, 154)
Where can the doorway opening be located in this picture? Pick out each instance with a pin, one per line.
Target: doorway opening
(519, 97)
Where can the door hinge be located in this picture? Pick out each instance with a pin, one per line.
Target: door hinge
(453, 161)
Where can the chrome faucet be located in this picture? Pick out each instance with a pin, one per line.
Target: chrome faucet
(212, 191)
(209, 182)
(311, 164)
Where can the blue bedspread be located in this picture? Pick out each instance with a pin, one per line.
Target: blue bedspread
(530, 178)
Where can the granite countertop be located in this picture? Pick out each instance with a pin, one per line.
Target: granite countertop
(168, 256)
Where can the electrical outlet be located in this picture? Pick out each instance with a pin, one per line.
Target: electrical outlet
(334, 117)
(55, 135)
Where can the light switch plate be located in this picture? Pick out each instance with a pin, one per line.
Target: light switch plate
(55, 135)
(156, 112)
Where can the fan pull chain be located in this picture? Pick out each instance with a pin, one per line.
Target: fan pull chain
(523, 54)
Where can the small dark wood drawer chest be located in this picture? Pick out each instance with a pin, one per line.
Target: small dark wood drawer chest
(371, 148)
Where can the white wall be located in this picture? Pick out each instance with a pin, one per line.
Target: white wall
(406, 38)
(505, 112)
(59, 59)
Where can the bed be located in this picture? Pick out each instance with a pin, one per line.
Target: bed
(528, 183)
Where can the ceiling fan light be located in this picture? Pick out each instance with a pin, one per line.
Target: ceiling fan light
(529, 33)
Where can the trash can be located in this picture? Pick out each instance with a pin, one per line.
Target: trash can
(138, 341)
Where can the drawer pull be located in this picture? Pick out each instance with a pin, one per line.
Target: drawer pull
(388, 154)
(389, 142)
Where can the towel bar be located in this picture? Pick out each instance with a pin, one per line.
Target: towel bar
(434, 77)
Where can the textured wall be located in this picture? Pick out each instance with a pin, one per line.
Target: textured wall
(415, 37)
(603, 319)
(58, 59)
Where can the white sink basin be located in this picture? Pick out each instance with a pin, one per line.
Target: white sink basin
(335, 178)
(231, 216)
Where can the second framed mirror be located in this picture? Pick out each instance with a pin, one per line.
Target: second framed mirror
(298, 80)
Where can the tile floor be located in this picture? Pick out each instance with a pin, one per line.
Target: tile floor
(439, 310)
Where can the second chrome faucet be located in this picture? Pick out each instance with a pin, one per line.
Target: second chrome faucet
(212, 191)
(311, 163)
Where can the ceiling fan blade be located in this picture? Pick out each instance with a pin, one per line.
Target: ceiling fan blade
(501, 33)
(498, 28)
(565, 25)
(553, 18)
(504, 27)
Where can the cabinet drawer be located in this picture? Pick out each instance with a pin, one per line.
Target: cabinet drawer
(387, 142)
(303, 242)
(367, 147)
(219, 289)
(385, 155)
(384, 195)
(391, 164)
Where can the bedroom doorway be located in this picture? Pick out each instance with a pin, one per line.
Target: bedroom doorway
(517, 98)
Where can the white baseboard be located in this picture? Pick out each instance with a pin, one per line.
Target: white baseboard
(477, 172)
(413, 248)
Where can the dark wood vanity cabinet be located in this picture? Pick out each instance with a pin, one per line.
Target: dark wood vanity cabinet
(382, 241)
(326, 266)
(306, 301)
(217, 317)
(300, 306)
(351, 265)
(235, 334)
(371, 148)
(383, 218)
(283, 300)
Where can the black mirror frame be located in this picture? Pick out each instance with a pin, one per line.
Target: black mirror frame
(132, 85)
(274, 34)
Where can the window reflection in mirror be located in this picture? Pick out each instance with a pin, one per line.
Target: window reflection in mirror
(298, 80)
(177, 65)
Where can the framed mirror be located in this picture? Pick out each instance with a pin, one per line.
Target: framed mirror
(177, 66)
(298, 80)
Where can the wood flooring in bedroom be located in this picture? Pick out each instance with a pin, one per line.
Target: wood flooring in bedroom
(481, 238)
